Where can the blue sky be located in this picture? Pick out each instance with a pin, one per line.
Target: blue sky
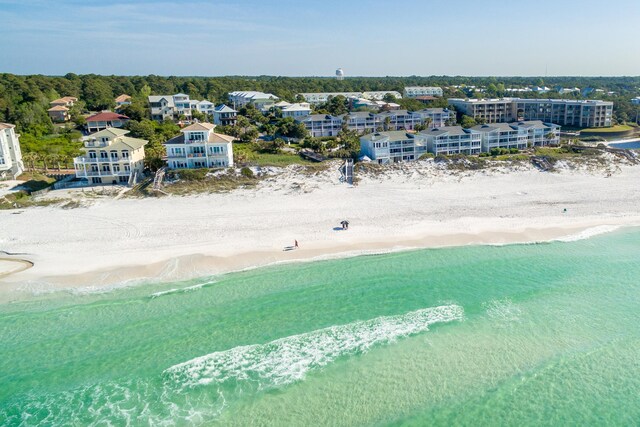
(298, 37)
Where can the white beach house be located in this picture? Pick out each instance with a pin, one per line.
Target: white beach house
(11, 165)
(199, 147)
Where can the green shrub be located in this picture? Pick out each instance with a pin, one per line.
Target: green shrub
(427, 156)
(246, 172)
(193, 174)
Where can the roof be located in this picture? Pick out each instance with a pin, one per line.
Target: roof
(222, 108)
(508, 127)
(64, 99)
(158, 98)
(133, 143)
(6, 126)
(536, 124)
(214, 138)
(253, 95)
(318, 117)
(106, 116)
(282, 104)
(199, 126)
(123, 98)
(204, 102)
(58, 108)
(395, 135)
(449, 130)
(109, 133)
(296, 107)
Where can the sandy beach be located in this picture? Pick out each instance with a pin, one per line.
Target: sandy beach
(110, 242)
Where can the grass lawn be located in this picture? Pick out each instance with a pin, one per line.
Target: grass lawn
(612, 129)
(280, 160)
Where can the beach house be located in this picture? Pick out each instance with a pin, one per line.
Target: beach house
(199, 146)
(262, 101)
(11, 165)
(111, 157)
(104, 120)
(224, 115)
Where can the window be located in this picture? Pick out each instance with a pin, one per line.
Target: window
(92, 154)
(105, 168)
(114, 155)
(125, 154)
(116, 168)
(103, 155)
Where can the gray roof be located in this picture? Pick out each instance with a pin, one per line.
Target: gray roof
(222, 108)
(396, 135)
(318, 117)
(450, 130)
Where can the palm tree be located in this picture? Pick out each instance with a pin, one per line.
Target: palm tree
(31, 159)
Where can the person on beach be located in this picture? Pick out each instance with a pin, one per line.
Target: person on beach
(295, 244)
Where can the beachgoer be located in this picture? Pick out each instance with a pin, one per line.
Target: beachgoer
(295, 244)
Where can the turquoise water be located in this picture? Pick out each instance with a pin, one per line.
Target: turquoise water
(544, 334)
(635, 145)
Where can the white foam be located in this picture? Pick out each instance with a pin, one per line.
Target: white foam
(182, 290)
(288, 359)
(588, 233)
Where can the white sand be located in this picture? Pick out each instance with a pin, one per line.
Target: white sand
(409, 206)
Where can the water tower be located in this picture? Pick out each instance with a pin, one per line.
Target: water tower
(339, 74)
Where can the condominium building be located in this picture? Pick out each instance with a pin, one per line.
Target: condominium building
(199, 147)
(415, 91)
(322, 97)
(391, 147)
(262, 101)
(111, 157)
(539, 133)
(501, 135)
(486, 110)
(104, 120)
(320, 125)
(565, 112)
(436, 117)
(448, 140)
(11, 165)
(225, 116)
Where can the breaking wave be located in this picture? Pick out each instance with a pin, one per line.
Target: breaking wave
(182, 290)
(288, 359)
(588, 233)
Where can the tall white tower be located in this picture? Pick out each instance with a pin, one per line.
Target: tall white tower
(339, 74)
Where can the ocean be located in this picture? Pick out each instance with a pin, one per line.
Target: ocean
(515, 335)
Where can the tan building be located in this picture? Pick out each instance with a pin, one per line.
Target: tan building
(111, 157)
(59, 114)
(59, 111)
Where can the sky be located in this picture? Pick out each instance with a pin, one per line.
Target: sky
(313, 38)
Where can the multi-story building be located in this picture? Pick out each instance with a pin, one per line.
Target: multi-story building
(104, 120)
(223, 115)
(11, 165)
(415, 91)
(296, 110)
(205, 107)
(59, 114)
(501, 135)
(65, 101)
(199, 147)
(320, 125)
(392, 147)
(262, 101)
(379, 95)
(111, 157)
(322, 97)
(172, 107)
(539, 133)
(565, 112)
(450, 140)
(436, 117)
(486, 110)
